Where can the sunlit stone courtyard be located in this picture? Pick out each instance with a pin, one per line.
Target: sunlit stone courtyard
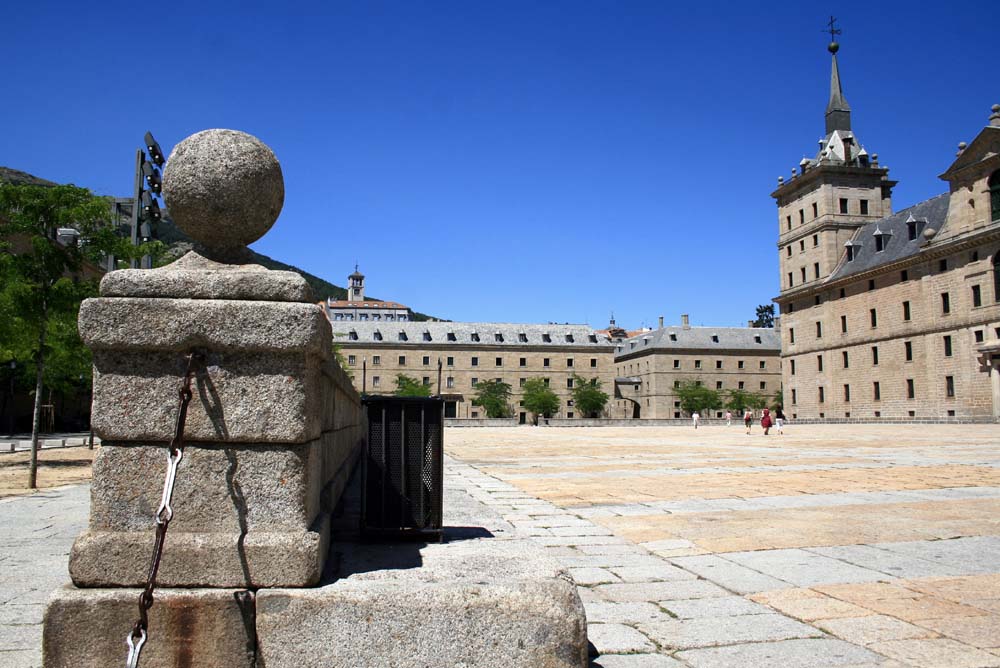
(828, 545)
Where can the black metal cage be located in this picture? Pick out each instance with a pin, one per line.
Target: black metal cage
(403, 483)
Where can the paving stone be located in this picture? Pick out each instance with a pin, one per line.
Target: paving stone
(591, 530)
(662, 572)
(800, 653)
(711, 631)
(618, 639)
(668, 544)
(714, 607)
(976, 554)
(660, 591)
(592, 576)
(982, 632)
(803, 568)
(936, 653)
(636, 661)
(871, 629)
(579, 540)
(733, 576)
(891, 563)
(609, 612)
(620, 548)
(809, 605)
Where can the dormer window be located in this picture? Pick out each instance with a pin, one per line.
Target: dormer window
(427, 335)
(475, 337)
(715, 338)
(546, 338)
(352, 335)
(498, 337)
(569, 338)
(522, 337)
(852, 251)
(402, 336)
(377, 335)
(593, 338)
(673, 337)
(881, 239)
(451, 336)
(756, 338)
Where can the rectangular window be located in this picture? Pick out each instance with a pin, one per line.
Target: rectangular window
(819, 330)
(816, 269)
(788, 222)
(864, 207)
(822, 395)
(843, 324)
(909, 351)
(911, 231)
(847, 360)
(850, 253)
(947, 346)
(802, 245)
(795, 396)
(521, 382)
(802, 270)
(763, 385)
(904, 276)
(451, 361)
(788, 250)
(791, 336)
(376, 359)
(977, 296)
(843, 205)
(815, 240)
(819, 363)
(569, 362)
(697, 364)
(569, 383)
(945, 303)
(874, 355)
(871, 284)
(499, 361)
(847, 393)
(792, 364)
(763, 364)
(677, 364)
(475, 361)
(876, 391)
(910, 392)
(475, 381)
(718, 364)
(741, 384)
(718, 384)
(802, 216)
(906, 310)
(979, 335)
(943, 265)
(791, 281)
(949, 386)
(874, 317)
(402, 360)
(815, 210)
(740, 364)
(593, 362)
(450, 382)
(427, 380)
(545, 362)
(352, 360)
(427, 360)
(376, 381)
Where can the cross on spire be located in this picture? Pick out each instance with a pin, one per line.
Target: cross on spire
(832, 29)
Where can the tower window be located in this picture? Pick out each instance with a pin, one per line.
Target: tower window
(864, 207)
(908, 346)
(949, 386)
(788, 223)
(874, 355)
(788, 250)
(945, 303)
(802, 216)
(815, 240)
(847, 393)
(791, 282)
(847, 361)
(977, 296)
(816, 269)
(819, 330)
(792, 362)
(843, 324)
(815, 210)
(906, 310)
(876, 391)
(819, 363)
(947, 346)
(874, 317)
(910, 391)
(843, 205)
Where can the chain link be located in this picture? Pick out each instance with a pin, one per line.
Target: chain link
(164, 513)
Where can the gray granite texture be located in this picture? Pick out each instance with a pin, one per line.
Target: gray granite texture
(224, 188)
(197, 277)
(187, 627)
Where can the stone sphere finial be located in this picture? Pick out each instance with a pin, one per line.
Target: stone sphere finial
(223, 188)
(833, 48)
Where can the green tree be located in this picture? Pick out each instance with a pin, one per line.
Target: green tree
(539, 399)
(765, 316)
(494, 398)
(43, 279)
(779, 399)
(588, 397)
(338, 357)
(756, 401)
(695, 397)
(407, 386)
(737, 400)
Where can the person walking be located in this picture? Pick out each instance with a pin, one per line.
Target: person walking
(779, 421)
(695, 418)
(765, 421)
(729, 418)
(748, 420)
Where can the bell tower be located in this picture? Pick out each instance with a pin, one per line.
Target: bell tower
(829, 196)
(356, 286)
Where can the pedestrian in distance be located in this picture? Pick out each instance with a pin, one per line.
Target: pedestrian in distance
(765, 421)
(729, 418)
(779, 421)
(695, 418)
(748, 420)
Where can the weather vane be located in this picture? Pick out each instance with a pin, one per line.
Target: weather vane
(834, 31)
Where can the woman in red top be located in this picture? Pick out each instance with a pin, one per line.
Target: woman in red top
(765, 420)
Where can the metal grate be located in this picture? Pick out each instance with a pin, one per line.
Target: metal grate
(403, 466)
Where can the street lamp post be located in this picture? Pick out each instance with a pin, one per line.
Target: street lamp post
(10, 413)
(145, 208)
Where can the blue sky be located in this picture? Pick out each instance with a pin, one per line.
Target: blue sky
(509, 161)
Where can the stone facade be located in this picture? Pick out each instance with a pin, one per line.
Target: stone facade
(649, 367)
(893, 316)
(356, 308)
(472, 352)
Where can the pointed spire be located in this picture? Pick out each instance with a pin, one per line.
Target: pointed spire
(838, 112)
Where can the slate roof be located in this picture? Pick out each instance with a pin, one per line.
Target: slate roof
(763, 339)
(929, 213)
(461, 333)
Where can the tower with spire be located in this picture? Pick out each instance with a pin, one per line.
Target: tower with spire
(826, 198)
(356, 286)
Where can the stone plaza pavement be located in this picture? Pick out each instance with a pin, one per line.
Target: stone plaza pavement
(831, 545)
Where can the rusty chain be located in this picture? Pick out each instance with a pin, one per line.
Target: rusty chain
(164, 513)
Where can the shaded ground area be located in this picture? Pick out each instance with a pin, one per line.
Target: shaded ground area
(846, 545)
(56, 467)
